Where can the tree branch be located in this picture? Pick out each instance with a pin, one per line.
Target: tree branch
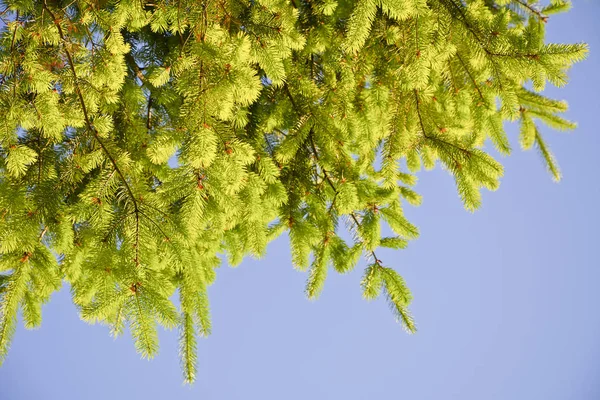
(471, 77)
(93, 130)
(542, 17)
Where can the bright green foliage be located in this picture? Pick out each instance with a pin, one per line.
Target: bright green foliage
(142, 141)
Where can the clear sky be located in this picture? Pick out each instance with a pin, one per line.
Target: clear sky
(506, 299)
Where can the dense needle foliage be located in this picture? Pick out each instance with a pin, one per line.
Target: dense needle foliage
(142, 139)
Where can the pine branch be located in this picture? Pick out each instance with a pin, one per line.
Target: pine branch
(12, 46)
(418, 102)
(143, 214)
(146, 345)
(469, 27)
(187, 347)
(149, 114)
(135, 67)
(325, 173)
(88, 122)
(533, 10)
(14, 35)
(463, 18)
(94, 132)
(9, 307)
(471, 77)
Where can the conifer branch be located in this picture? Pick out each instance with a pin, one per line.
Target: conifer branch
(135, 67)
(115, 226)
(417, 102)
(325, 173)
(147, 343)
(86, 117)
(471, 77)
(166, 237)
(94, 132)
(149, 113)
(9, 307)
(463, 18)
(533, 10)
(12, 46)
(357, 223)
(137, 238)
(162, 212)
(289, 95)
(434, 138)
(117, 327)
(316, 154)
(181, 42)
(14, 35)
(187, 347)
(43, 233)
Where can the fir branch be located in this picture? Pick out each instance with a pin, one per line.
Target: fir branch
(465, 21)
(88, 122)
(181, 42)
(547, 156)
(135, 67)
(11, 297)
(14, 35)
(533, 10)
(187, 347)
(94, 132)
(316, 154)
(43, 233)
(417, 103)
(145, 343)
(149, 113)
(12, 47)
(166, 237)
(471, 77)
(325, 173)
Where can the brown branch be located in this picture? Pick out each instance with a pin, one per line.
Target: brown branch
(43, 233)
(137, 239)
(181, 42)
(149, 113)
(12, 46)
(155, 224)
(289, 94)
(542, 17)
(417, 101)
(314, 149)
(136, 68)
(12, 42)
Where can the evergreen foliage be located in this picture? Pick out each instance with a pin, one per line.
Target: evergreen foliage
(282, 116)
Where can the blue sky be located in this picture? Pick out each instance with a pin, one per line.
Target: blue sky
(505, 299)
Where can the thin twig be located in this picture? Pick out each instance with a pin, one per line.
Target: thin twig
(471, 77)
